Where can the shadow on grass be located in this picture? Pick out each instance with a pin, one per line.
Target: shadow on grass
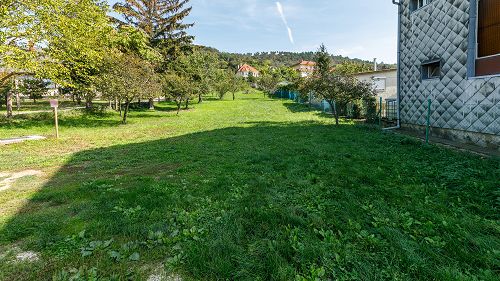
(270, 202)
(79, 119)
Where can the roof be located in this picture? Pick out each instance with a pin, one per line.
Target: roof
(305, 62)
(378, 71)
(247, 68)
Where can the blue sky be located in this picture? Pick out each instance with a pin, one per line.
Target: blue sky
(363, 29)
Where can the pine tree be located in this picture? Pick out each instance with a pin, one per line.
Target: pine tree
(161, 20)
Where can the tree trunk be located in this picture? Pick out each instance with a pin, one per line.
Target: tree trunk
(9, 104)
(125, 112)
(200, 98)
(179, 103)
(116, 104)
(18, 100)
(120, 107)
(187, 104)
(78, 99)
(333, 105)
(234, 96)
(151, 104)
(88, 104)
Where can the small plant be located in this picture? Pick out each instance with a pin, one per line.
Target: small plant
(95, 246)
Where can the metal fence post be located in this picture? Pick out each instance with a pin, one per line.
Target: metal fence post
(380, 113)
(428, 127)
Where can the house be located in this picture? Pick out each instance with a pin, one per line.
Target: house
(247, 71)
(449, 54)
(305, 68)
(385, 82)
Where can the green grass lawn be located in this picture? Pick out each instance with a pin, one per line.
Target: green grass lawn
(252, 189)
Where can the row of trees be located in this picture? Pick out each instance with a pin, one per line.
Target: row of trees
(143, 54)
(263, 60)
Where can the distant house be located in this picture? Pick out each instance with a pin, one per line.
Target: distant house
(305, 68)
(449, 54)
(385, 82)
(247, 71)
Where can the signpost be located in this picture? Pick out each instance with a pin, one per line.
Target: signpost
(55, 104)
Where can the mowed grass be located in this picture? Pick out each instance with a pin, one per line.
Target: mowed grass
(252, 189)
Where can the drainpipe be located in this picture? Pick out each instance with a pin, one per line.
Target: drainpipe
(399, 67)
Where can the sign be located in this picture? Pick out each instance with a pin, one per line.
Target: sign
(54, 103)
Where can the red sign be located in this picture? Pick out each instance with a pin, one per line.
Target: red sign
(54, 103)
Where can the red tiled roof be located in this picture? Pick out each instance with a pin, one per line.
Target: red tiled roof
(305, 62)
(247, 68)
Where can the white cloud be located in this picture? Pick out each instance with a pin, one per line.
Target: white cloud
(283, 18)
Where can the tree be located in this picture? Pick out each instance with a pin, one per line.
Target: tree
(178, 88)
(337, 90)
(268, 82)
(161, 20)
(64, 41)
(323, 61)
(203, 67)
(6, 96)
(128, 77)
(350, 67)
(229, 82)
(34, 88)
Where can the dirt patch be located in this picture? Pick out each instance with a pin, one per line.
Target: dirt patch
(15, 254)
(8, 179)
(160, 274)
(28, 256)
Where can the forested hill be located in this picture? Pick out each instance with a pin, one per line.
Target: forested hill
(277, 59)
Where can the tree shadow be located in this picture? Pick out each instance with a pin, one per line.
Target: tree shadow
(80, 119)
(267, 202)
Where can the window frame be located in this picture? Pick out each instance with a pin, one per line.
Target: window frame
(474, 65)
(414, 8)
(379, 78)
(425, 68)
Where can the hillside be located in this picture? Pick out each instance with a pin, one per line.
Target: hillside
(278, 58)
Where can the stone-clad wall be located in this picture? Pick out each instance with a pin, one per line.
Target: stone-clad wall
(440, 30)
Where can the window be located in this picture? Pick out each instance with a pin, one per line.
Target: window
(417, 4)
(379, 83)
(431, 70)
(488, 38)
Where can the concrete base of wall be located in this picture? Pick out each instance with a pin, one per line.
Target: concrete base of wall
(491, 142)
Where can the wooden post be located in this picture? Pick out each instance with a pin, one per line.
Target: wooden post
(57, 123)
(55, 104)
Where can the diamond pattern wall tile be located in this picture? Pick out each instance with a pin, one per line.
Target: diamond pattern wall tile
(440, 30)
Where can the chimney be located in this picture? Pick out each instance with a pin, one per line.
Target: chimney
(375, 67)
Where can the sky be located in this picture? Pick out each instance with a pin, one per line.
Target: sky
(364, 29)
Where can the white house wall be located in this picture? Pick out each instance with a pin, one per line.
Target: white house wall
(391, 82)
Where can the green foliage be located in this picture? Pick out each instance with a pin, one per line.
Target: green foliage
(65, 41)
(323, 61)
(263, 60)
(33, 88)
(338, 90)
(350, 67)
(162, 21)
(128, 77)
